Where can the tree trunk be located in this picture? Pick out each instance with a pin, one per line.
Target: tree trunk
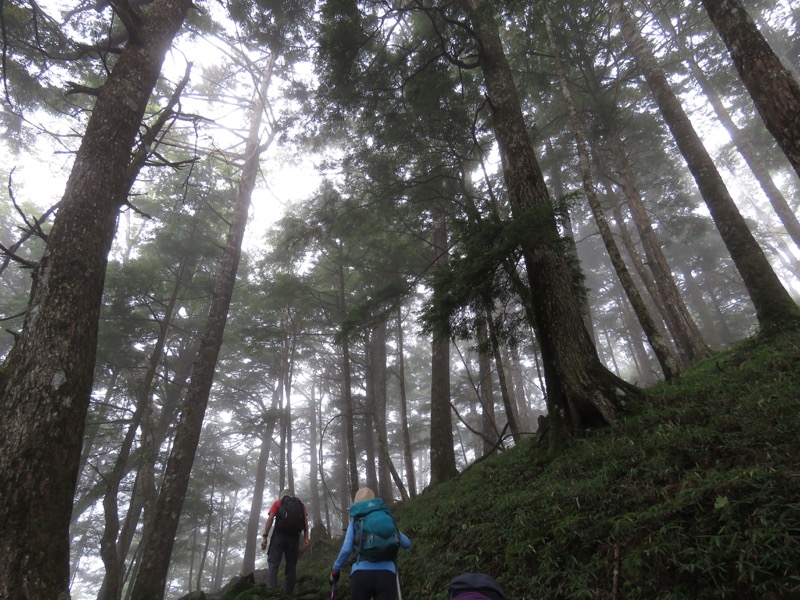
(740, 140)
(774, 306)
(665, 357)
(508, 404)
(368, 424)
(443, 456)
(408, 455)
(152, 577)
(680, 323)
(581, 392)
(485, 389)
(111, 588)
(378, 362)
(47, 381)
(347, 395)
(518, 382)
(317, 525)
(253, 538)
(775, 92)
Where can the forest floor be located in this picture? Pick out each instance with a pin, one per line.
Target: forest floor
(697, 495)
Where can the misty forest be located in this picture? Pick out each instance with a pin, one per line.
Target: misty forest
(251, 245)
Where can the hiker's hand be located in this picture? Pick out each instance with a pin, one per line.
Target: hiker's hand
(306, 543)
(334, 576)
(263, 542)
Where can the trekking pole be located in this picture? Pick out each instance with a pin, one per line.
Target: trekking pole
(399, 594)
(333, 590)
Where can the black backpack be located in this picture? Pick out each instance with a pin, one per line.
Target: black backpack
(291, 516)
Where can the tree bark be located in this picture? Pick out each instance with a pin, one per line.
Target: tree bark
(46, 383)
(485, 389)
(740, 140)
(665, 357)
(775, 92)
(774, 306)
(152, 576)
(581, 392)
(443, 456)
(408, 455)
(254, 518)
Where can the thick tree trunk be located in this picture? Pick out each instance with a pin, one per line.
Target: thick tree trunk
(347, 397)
(775, 91)
(152, 577)
(443, 456)
(47, 381)
(581, 392)
(774, 306)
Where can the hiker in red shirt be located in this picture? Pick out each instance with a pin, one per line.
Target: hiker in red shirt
(290, 518)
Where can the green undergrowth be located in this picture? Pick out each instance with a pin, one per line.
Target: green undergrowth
(696, 496)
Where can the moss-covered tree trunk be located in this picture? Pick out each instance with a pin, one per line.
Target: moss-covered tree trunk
(47, 382)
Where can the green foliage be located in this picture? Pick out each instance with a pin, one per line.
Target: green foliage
(694, 497)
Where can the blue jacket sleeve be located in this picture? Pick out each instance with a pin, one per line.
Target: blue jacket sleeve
(404, 541)
(347, 548)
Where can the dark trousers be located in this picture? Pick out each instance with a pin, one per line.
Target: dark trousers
(283, 545)
(380, 585)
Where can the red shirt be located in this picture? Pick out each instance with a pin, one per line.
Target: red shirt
(273, 510)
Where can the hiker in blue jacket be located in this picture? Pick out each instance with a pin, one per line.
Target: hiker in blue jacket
(375, 540)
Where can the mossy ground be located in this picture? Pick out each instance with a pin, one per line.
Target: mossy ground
(695, 496)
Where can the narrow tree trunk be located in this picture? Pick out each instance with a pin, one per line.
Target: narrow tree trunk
(485, 391)
(369, 416)
(47, 381)
(508, 404)
(679, 321)
(378, 361)
(408, 455)
(665, 357)
(775, 92)
(347, 396)
(519, 389)
(774, 306)
(318, 526)
(152, 576)
(740, 140)
(111, 588)
(252, 538)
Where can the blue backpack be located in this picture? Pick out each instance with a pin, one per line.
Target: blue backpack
(376, 535)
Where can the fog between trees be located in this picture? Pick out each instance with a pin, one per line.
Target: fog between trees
(522, 210)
